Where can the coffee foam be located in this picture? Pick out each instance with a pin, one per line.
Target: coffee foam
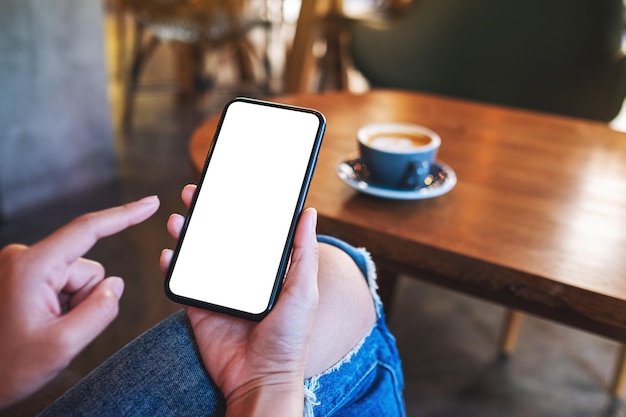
(398, 141)
(399, 138)
(392, 143)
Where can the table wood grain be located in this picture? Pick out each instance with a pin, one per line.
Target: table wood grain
(536, 222)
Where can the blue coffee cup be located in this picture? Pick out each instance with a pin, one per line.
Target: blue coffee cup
(397, 155)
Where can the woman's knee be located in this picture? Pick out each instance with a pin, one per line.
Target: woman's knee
(346, 310)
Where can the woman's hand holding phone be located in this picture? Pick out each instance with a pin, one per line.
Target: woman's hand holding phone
(254, 364)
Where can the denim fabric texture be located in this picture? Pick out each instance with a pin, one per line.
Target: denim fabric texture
(161, 374)
(158, 374)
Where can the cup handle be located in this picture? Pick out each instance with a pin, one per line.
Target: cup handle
(415, 173)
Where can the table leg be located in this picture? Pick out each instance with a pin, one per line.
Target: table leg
(619, 375)
(508, 342)
(510, 332)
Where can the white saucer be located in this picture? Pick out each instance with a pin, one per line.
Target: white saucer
(441, 180)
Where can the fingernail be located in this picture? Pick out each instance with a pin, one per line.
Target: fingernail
(116, 285)
(313, 219)
(149, 200)
(166, 255)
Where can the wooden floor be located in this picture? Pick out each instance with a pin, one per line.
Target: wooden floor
(447, 341)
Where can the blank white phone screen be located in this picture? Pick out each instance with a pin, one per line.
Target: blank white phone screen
(237, 232)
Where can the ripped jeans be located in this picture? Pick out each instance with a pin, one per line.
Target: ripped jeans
(161, 373)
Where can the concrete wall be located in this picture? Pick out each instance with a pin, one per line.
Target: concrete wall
(55, 124)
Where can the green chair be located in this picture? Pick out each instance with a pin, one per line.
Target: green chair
(557, 56)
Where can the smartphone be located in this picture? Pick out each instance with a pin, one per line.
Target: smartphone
(234, 247)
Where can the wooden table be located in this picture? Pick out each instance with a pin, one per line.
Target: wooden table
(536, 222)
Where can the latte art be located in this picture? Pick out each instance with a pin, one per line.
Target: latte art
(397, 141)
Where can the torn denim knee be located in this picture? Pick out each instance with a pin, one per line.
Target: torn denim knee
(368, 379)
(312, 384)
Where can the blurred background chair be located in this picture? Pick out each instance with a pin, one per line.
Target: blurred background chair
(561, 56)
(194, 27)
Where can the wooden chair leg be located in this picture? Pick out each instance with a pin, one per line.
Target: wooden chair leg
(140, 55)
(619, 375)
(189, 69)
(121, 38)
(300, 59)
(510, 332)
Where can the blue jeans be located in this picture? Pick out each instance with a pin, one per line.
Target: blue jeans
(161, 373)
